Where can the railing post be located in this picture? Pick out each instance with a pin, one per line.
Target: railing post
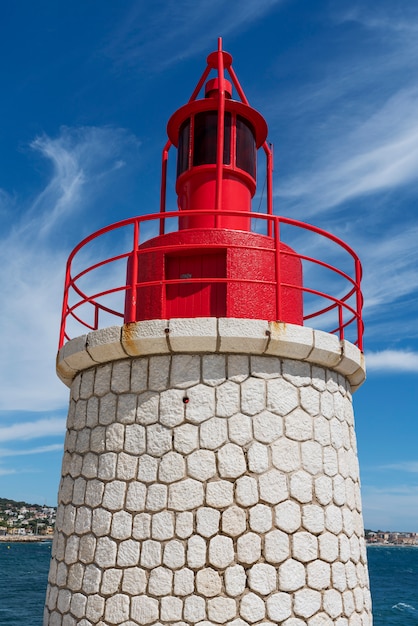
(163, 191)
(278, 270)
(96, 316)
(341, 321)
(359, 305)
(221, 129)
(65, 304)
(269, 176)
(134, 274)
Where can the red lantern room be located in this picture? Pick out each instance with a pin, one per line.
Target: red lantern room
(214, 266)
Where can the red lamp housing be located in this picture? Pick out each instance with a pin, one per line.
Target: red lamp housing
(214, 260)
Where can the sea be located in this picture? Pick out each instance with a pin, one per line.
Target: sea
(24, 570)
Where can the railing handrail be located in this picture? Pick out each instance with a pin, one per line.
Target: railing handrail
(273, 229)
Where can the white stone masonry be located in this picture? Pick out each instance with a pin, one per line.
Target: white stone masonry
(208, 488)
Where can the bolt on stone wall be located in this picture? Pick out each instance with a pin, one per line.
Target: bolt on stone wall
(209, 489)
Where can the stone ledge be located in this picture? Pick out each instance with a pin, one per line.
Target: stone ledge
(211, 335)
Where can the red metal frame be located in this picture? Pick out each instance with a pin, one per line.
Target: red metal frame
(220, 61)
(86, 308)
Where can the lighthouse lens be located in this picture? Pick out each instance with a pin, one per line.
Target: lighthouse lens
(246, 148)
(183, 148)
(205, 138)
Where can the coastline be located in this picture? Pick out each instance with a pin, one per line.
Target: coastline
(391, 545)
(24, 538)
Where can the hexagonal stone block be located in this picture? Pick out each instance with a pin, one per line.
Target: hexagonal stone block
(171, 609)
(234, 521)
(231, 461)
(252, 608)
(260, 518)
(220, 609)
(208, 582)
(267, 426)
(305, 547)
(128, 553)
(240, 429)
(227, 399)
(201, 405)
(144, 610)
(258, 458)
(313, 518)
(249, 548)
(253, 396)
(307, 602)
(301, 486)
(262, 578)
(184, 582)
(276, 546)
(288, 516)
(207, 521)
(121, 525)
(162, 525)
(221, 551)
(185, 495)
(219, 493)
(172, 467)
(185, 370)
(285, 455)
(319, 574)
(309, 400)
(150, 554)
(298, 425)
(174, 554)
(158, 439)
(117, 609)
(328, 547)
(279, 606)
(194, 609)
(160, 581)
(213, 433)
(171, 407)
(273, 487)
(311, 457)
(235, 579)
(292, 575)
(246, 491)
(282, 396)
(201, 465)
(186, 438)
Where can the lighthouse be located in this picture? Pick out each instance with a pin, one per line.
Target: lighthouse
(210, 471)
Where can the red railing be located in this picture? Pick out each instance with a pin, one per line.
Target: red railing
(95, 292)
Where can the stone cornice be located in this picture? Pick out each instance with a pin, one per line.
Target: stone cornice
(211, 335)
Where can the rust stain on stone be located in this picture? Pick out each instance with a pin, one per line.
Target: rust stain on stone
(279, 328)
(129, 337)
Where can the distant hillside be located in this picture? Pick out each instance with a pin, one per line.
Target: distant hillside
(7, 503)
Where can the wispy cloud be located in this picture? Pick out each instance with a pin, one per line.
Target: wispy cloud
(381, 154)
(54, 447)
(81, 159)
(7, 472)
(392, 360)
(184, 27)
(406, 466)
(33, 254)
(24, 431)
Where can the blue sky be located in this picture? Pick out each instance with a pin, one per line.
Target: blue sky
(87, 89)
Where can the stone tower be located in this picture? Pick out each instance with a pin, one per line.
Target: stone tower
(210, 472)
